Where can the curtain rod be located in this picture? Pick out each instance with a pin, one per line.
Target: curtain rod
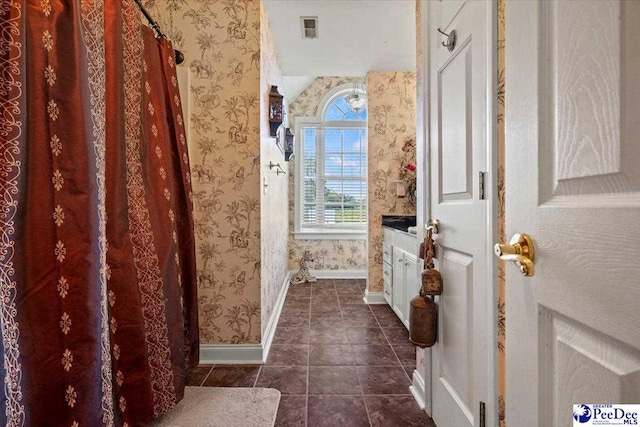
(154, 25)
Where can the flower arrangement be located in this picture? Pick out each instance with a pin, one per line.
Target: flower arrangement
(410, 179)
(408, 169)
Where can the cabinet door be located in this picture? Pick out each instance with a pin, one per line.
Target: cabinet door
(398, 302)
(411, 283)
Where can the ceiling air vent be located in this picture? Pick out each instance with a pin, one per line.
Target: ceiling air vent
(309, 27)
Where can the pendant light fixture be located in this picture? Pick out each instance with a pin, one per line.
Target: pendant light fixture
(357, 99)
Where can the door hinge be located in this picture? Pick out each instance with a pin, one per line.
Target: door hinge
(483, 420)
(481, 185)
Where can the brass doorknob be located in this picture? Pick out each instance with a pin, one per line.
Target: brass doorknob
(521, 251)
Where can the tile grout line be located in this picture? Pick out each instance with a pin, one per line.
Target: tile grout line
(306, 397)
(264, 364)
(342, 313)
(392, 349)
(259, 372)
(308, 348)
(355, 368)
(207, 376)
(356, 395)
(352, 365)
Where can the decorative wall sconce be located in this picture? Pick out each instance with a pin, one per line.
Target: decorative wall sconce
(275, 110)
(288, 144)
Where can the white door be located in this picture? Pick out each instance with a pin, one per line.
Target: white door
(462, 368)
(573, 185)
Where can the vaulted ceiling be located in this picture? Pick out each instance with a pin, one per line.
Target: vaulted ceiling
(354, 37)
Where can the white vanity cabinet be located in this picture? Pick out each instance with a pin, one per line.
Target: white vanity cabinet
(387, 272)
(400, 271)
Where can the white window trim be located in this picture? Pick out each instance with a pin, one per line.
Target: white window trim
(324, 233)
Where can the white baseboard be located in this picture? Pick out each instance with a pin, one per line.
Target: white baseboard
(417, 389)
(270, 330)
(339, 274)
(230, 354)
(374, 297)
(242, 354)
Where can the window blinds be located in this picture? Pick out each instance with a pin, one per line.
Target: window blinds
(334, 177)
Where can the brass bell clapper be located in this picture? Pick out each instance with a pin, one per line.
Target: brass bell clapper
(423, 316)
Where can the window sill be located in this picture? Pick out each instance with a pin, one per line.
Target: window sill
(325, 234)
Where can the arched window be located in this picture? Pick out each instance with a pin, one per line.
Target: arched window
(331, 163)
(338, 109)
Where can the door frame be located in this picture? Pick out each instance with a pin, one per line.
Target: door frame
(491, 192)
(423, 204)
(491, 196)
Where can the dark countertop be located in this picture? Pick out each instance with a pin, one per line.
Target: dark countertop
(399, 222)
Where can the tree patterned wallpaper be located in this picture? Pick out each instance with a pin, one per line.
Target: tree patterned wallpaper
(328, 254)
(221, 43)
(391, 142)
(274, 206)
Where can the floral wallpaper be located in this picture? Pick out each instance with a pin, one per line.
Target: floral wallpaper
(221, 43)
(274, 206)
(328, 254)
(391, 139)
(501, 212)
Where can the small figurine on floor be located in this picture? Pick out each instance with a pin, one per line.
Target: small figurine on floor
(302, 276)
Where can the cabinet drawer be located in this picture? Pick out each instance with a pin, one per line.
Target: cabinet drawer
(388, 291)
(387, 271)
(386, 252)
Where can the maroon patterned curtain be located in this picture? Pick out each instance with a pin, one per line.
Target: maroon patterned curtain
(98, 305)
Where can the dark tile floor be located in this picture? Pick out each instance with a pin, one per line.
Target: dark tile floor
(336, 361)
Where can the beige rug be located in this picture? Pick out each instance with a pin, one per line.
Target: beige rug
(223, 407)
